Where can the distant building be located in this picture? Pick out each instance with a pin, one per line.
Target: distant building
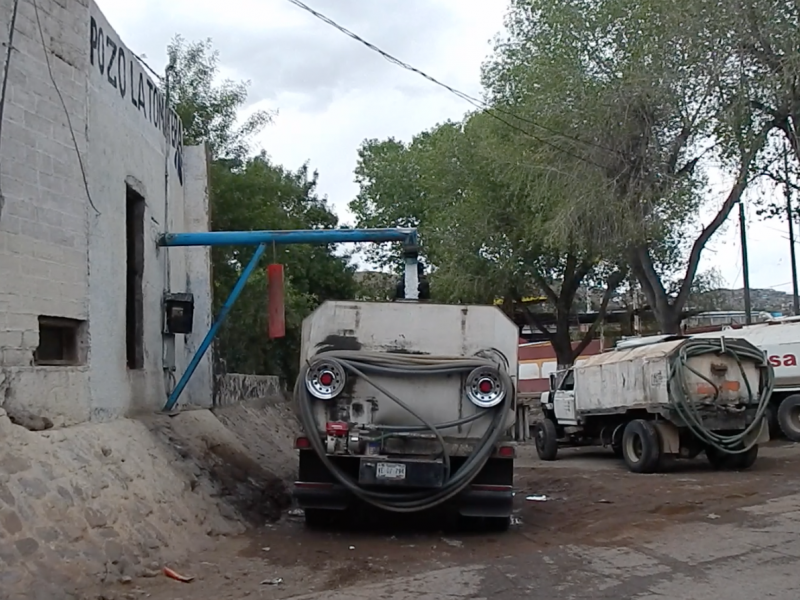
(92, 169)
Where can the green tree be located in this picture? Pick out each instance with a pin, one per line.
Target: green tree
(485, 230)
(210, 111)
(264, 196)
(251, 193)
(638, 98)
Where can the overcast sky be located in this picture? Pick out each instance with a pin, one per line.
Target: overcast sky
(331, 92)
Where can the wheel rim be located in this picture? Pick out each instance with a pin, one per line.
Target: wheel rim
(540, 438)
(633, 448)
(794, 418)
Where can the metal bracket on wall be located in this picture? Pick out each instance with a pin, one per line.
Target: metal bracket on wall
(321, 237)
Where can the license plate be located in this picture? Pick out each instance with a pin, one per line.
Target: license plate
(390, 471)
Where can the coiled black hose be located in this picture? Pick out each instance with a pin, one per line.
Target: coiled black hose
(688, 409)
(361, 364)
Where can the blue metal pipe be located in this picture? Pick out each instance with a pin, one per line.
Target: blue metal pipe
(302, 236)
(223, 313)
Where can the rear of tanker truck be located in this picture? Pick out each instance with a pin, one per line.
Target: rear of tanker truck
(407, 407)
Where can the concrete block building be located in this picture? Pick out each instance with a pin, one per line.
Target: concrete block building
(92, 170)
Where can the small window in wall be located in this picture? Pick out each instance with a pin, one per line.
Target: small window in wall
(61, 342)
(134, 298)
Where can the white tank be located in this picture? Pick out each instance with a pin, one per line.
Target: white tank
(411, 329)
(639, 377)
(780, 340)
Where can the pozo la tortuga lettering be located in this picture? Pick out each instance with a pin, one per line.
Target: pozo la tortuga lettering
(123, 72)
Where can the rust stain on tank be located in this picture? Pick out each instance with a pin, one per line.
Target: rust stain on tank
(341, 341)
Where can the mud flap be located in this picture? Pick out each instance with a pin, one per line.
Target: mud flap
(761, 434)
(669, 437)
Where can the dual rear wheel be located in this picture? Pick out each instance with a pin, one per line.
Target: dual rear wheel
(641, 450)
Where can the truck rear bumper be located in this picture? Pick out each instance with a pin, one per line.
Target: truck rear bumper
(475, 501)
(489, 495)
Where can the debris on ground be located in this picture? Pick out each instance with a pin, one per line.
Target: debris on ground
(276, 581)
(453, 543)
(177, 576)
(537, 498)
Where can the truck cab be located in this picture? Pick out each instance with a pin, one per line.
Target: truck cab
(560, 399)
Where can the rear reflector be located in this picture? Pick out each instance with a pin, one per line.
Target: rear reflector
(302, 443)
(506, 452)
(336, 428)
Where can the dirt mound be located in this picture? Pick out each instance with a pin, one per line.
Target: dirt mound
(247, 477)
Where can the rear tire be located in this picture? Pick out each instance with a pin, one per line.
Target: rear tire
(731, 462)
(789, 417)
(498, 524)
(746, 460)
(484, 524)
(318, 518)
(641, 447)
(546, 440)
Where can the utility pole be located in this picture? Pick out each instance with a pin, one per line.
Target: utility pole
(748, 313)
(790, 219)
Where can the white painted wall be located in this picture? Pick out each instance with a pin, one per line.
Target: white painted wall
(61, 257)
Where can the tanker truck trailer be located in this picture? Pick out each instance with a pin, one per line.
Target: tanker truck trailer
(407, 407)
(779, 339)
(664, 396)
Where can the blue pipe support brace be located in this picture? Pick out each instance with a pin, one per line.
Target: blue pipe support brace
(223, 313)
(407, 236)
(300, 236)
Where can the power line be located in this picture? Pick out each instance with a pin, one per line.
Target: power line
(490, 110)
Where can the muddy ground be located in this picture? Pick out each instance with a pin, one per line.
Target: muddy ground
(590, 499)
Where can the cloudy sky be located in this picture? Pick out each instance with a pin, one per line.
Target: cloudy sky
(331, 92)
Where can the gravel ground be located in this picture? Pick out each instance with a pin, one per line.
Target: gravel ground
(600, 531)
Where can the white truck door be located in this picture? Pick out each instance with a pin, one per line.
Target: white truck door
(564, 407)
(564, 400)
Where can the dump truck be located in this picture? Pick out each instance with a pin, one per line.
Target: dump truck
(779, 339)
(662, 396)
(407, 407)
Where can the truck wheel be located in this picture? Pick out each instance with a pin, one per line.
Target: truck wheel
(641, 447)
(546, 440)
(318, 518)
(789, 417)
(735, 462)
(498, 524)
(747, 459)
(717, 459)
(484, 524)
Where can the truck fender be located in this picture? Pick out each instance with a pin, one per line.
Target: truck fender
(669, 436)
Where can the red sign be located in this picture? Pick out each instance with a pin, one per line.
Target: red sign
(787, 360)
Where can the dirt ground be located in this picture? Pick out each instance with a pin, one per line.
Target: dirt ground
(589, 498)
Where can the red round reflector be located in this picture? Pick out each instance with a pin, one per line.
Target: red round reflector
(485, 386)
(326, 379)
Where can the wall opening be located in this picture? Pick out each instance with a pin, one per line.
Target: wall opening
(134, 298)
(61, 342)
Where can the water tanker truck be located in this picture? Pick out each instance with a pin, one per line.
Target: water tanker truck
(779, 339)
(407, 407)
(662, 396)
